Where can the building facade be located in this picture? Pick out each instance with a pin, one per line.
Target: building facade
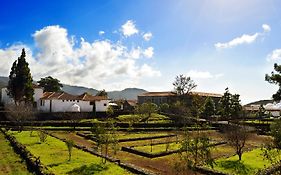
(63, 102)
(170, 97)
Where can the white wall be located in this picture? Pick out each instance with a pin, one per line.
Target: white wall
(5, 98)
(102, 105)
(65, 105)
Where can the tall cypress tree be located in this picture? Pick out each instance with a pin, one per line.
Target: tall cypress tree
(20, 81)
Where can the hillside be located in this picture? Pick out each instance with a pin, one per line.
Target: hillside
(260, 102)
(128, 93)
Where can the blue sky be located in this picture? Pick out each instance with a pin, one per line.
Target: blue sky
(116, 44)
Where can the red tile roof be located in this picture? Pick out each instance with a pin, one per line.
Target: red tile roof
(164, 94)
(66, 96)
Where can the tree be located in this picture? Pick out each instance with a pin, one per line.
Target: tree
(19, 114)
(225, 104)
(236, 107)
(237, 136)
(20, 81)
(183, 85)
(102, 93)
(208, 108)
(275, 78)
(229, 105)
(146, 109)
(50, 84)
(106, 135)
(261, 112)
(69, 145)
(195, 150)
(109, 111)
(164, 107)
(272, 149)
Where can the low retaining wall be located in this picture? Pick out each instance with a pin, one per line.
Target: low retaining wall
(33, 163)
(160, 154)
(130, 139)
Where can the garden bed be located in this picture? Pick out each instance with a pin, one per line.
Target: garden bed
(53, 154)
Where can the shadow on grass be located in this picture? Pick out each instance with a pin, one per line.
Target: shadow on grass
(88, 170)
(235, 166)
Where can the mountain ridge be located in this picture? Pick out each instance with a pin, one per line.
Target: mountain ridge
(127, 93)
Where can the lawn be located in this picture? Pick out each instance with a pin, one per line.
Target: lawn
(53, 153)
(126, 135)
(10, 162)
(159, 147)
(155, 118)
(252, 161)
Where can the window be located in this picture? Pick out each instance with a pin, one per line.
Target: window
(104, 104)
(77, 101)
(62, 100)
(42, 102)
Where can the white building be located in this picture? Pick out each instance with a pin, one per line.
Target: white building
(5, 98)
(63, 102)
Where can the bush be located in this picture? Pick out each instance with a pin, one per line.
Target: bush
(42, 136)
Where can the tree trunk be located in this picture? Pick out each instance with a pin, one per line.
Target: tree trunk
(240, 155)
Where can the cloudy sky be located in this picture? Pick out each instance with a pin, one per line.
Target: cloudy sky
(117, 44)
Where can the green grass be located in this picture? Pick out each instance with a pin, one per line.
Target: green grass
(10, 162)
(258, 122)
(159, 147)
(123, 135)
(251, 162)
(53, 153)
(155, 118)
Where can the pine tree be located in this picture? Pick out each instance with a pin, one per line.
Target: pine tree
(225, 104)
(208, 108)
(20, 81)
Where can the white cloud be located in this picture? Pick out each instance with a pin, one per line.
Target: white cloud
(202, 74)
(244, 39)
(266, 28)
(135, 53)
(101, 32)
(99, 64)
(148, 52)
(129, 28)
(147, 36)
(274, 55)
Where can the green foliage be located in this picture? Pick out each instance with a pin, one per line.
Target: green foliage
(164, 107)
(109, 111)
(229, 105)
(42, 136)
(252, 162)
(10, 162)
(88, 170)
(261, 112)
(105, 136)
(275, 78)
(208, 108)
(20, 81)
(183, 85)
(53, 154)
(69, 145)
(276, 133)
(146, 109)
(102, 93)
(50, 84)
(236, 137)
(195, 150)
